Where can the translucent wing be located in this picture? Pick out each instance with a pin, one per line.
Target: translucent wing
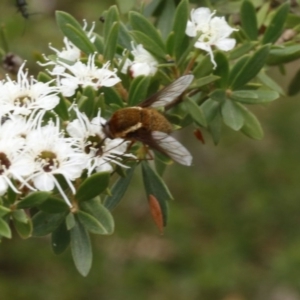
(169, 93)
(170, 146)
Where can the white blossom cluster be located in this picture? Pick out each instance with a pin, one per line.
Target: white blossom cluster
(33, 151)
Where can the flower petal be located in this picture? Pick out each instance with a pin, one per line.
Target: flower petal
(44, 182)
(226, 44)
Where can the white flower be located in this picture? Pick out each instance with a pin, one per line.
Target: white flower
(14, 163)
(51, 154)
(101, 152)
(80, 74)
(143, 64)
(214, 31)
(69, 52)
(26, 95)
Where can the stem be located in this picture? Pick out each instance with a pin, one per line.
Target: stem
(192, 62)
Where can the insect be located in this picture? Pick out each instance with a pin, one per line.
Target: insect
(145, 124)
(22, 8)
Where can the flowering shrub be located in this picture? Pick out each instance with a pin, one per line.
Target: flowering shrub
(83, 122)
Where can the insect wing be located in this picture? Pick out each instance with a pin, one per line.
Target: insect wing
(172, 148)
(169, 93)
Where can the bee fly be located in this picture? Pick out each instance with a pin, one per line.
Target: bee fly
(145, 124)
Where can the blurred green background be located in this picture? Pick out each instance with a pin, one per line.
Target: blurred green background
(234, 228)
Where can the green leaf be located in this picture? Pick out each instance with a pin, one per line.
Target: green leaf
(20, 215)
(210, 109)
(203, 68)
(283, 55)
(241, 50)
(125, 6)
(138, 90)
(124, 38)
(262, 14)
(91, 223)
(294, 86)
(204, 81)
(33, 199)
(44, 77)
(222, 69)
(111, 17)
(4, 229)
(60, 239)
(54, 205)
(149, 44)
(218, 95)
(110, 45)
(44, 223)
(195, 111)
(270, 83)
(88, 106)
(4, 211)
(74, 32)
(70, 221)
(164, 22)
(99, 44)
(62, 108)
(236, 68)
(232, 115)
(95, 208)
(11, 195)
(276, 25)
(141, 24)
(215, 128)
(81, 249)
(93, 186)
(111, 96)
(151, 7)
(24, 229)
(254, 96)
(118, 190)
(179, 26)
(250, 68)
(248, 18)
(251, 127)
(155, 186)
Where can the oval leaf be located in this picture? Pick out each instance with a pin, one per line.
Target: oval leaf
(60, 238)
(54, 205)
(141, 24)
(24, 229)
(232, 115)
(250, 68)
(44, 223)
(249, 21)
(210, 109)
(118, 190)
(91, 223)
(110, 44)
(179, 26)
(195, 112)
(74, 32)
(4, 211)
(251, 127)
(4, 229)
(93, 186)
(275, 27)
(33, 199)
(81, 249)
(254, 96)
(138, 90)
(155, 186)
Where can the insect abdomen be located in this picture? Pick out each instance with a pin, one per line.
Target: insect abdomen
(152, 120)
